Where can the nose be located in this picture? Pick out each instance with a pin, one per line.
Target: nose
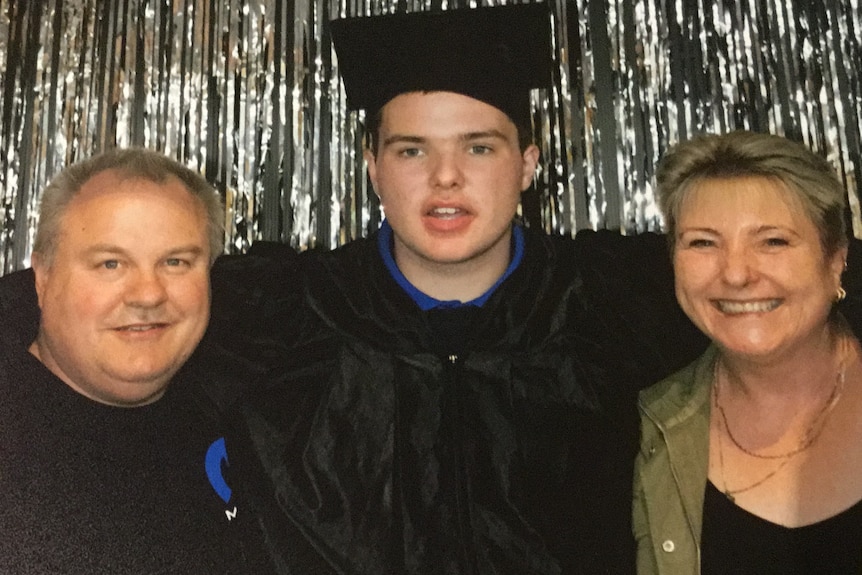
(739, 266)
(146, 289)
(446, 172)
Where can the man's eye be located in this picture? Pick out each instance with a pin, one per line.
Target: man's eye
(175, 262)
(410, 152)
(776, 242)
(480, 149)
(110, 264)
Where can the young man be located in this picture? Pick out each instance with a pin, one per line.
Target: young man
(454, 394)
(107, 463)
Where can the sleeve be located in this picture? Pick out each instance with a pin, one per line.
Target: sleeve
(254, 302)
(628, 284)
(646, 561)
(19, 308)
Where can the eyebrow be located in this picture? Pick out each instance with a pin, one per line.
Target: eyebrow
(193, 250)
(403, 139)
(492, 134)
(706, 229)
(466, 137)
(112, 249)
(756, 231)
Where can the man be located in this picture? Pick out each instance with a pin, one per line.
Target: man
(453, 394)
(107, 464)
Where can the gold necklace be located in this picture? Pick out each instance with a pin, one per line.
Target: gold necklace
(730, 493)
(818, 423)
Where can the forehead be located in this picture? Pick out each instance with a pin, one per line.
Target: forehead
(739, 198)
(112, 186)
(442, 111)
(113, 203)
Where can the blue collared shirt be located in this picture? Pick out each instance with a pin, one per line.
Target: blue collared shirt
(425, 301)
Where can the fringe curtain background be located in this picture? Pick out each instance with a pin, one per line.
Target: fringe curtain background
(247, 92)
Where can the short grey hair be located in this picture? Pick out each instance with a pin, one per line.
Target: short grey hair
(809, 177)
(128, 163)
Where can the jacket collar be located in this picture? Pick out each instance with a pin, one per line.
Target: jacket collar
(676, 400)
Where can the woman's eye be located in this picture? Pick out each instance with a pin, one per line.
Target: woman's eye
(700, 243)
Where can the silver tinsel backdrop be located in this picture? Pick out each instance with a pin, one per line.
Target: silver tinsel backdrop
(247, 92)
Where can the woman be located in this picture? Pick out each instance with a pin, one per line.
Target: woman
(751, 457)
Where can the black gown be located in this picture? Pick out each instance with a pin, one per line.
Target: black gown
(492, 440)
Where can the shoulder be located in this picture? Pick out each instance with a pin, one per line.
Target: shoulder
(265, 260)
(16, 285)
(626, 286)
(641, 261)
(19, 308)
(598, 256)
(353, 255)
(682, 393)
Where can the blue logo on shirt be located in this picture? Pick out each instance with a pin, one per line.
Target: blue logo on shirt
(217, 453)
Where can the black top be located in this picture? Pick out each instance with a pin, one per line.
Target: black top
(736, 542)
(91, 488)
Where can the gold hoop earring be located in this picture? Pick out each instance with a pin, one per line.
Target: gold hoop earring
(840, 294)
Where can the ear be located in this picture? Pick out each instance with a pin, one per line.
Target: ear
(530, 159)
(41, 270)
(837, 265)
(371, 163)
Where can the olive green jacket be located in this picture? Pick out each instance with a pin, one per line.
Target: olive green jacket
(671, 470)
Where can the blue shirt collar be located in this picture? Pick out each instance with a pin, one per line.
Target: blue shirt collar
(423, 300)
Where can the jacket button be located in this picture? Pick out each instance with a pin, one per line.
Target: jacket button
(668, 546)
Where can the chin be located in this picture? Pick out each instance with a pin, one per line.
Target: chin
(139, 397)
(447, 257)
(143, 382)
(750, 350)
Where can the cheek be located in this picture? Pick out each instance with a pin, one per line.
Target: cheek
(691, 280)
(390, 190)
(683, 296)
(393, 173)
(193, 296)
(401, 198)
(688, 274)
(85, 306)
(504, 186)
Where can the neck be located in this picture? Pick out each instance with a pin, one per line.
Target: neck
(459, 281)
(794, 375)
(42, 351)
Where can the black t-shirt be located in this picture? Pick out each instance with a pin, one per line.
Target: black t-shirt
(736, 542)
(90, 488)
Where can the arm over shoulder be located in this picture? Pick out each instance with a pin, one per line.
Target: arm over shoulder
(628, 280)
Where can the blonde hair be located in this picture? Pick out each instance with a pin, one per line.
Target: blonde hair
(809, 177)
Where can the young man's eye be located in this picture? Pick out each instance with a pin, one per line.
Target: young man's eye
(410, 152)
(110, 264)
(481, 149)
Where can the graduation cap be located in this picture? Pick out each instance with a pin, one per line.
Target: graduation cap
(495, 55)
